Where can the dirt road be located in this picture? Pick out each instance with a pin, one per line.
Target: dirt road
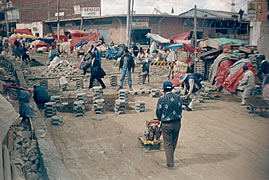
(218, 140)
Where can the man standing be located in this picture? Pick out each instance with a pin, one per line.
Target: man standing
(169, 112)
(126, 64)
(265, 70)
(247, 83)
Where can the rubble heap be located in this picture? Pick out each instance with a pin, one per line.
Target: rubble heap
(44, 83)
(61, 68)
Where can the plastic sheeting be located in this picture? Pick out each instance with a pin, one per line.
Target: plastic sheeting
(7, 118)
(23, 31)
(176, 81)
(222, 73)
(61, 37)
(90, 37)
(232, 81)
(78, 33)
(157, 38)
(226, 41)
(214, 67)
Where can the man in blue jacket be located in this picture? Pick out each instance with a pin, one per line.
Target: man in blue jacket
(264, 69)
(41, 96)
(126, 65)
(169, 111)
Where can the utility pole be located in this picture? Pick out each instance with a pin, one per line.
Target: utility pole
(6, 18)
(58, 20)
(195, 39)
(128, 24)
(81, 22)
(131, 22)
(48, 9)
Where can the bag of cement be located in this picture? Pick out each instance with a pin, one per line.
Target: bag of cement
(63, 81)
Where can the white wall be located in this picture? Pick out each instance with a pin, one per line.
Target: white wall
(255, 30)
(36, 27)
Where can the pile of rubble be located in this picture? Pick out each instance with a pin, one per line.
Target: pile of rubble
(25, 154)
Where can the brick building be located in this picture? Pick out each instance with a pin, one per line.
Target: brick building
(28, 11)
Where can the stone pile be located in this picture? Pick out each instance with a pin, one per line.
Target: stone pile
(97, 93)
(44, 83)
(119, 106)
(123, 95)
(154, 93)
(78, 108)
(79, 83)
(140, 106)
(57, 120)
(57, 100)
(50, 109)
(113, 80)
(61, 68)
(98, 106)
(25, 154)
(82, 97)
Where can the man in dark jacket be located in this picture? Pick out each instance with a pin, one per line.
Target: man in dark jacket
(264, 69)
(126, 64)
(169, 111)
(97, 73)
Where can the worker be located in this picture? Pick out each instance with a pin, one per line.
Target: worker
(41, 96)
(247, 84)
(145, 70)
(264, 69)
(126, 65)
(97, 72)
(169, 112)
(192, 85)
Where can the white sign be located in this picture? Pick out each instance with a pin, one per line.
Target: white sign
(140, 22)
(90, 11)
(252, 10)
(60, 14)
(76, 9)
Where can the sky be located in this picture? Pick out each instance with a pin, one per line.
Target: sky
(147, 6)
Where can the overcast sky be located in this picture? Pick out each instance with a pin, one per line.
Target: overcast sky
(147, 6)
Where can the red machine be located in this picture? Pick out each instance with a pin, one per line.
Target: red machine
(152, 134)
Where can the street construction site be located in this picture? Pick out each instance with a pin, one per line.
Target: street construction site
(98, 138)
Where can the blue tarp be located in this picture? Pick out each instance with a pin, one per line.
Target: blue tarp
(47, 40)
(113, 54)
(81, 43)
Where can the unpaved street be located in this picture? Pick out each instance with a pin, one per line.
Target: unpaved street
(218, 140)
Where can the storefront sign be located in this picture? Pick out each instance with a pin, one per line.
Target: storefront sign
(90, 11)
(252, 10)
(140, 22)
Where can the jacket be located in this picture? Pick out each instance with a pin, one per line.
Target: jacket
(169, 108)
(130, 62)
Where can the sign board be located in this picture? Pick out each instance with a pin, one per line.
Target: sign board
(252, 10)
(60, 14)
(140, 22)
(76, 9)
(90, 11)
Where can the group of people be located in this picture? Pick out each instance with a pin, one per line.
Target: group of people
(20, 51)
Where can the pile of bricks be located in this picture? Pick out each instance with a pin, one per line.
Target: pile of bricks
(119, 106)
(79, 83)
(57, 120)
(78, 108)
(98, 105)
(97, 93)
(113, 80)
(57, 100)
(123, 95)
(155, 93)
(140, 106)
(82, 97)
(50, 109)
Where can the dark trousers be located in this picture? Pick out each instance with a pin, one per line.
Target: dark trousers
(170, 137)
(93, 77)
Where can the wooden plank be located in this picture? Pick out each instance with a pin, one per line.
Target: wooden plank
(245, 50)
(7, 167)
(10, 140)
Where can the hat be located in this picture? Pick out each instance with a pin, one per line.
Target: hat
(126, 50)
(245, 68)
(182, 78)
(168, 85)
(262, 57)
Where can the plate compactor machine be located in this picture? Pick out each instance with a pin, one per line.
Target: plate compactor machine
(152, 135)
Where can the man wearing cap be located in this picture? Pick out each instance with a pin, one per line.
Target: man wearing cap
(192, 85)
(126, 65)
(247, 83)
(264, 69)
(169, 112)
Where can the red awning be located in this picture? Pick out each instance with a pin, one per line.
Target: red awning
(183, 36)
(61, 37)
(78, 33)
(23, 31)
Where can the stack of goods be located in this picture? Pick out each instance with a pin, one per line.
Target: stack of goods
(97, 93)
(113, 80)
(78, 108)
(123, 95)
(155, 93)
(98, 105)
(50, 109)
(141, 78)
(44, 83)
(95, 83)
(140, 106)
(82, 97)
(79, 83)
(57, 120)
(57, 100)
(200, 67)
(119, 106)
